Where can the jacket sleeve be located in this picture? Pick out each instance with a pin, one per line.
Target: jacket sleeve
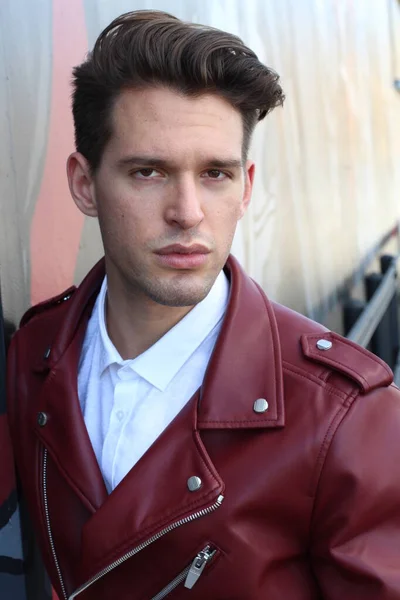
(356, 520)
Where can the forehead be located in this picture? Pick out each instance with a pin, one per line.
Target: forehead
(160, 119)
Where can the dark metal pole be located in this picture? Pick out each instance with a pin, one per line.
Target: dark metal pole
(352, 309)
(381, 341)
(386, 262)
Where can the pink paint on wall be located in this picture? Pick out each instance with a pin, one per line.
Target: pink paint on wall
(57, 224)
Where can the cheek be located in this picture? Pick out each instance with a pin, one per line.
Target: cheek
(227, 212)
(223, 220)
(115, 224)
(119, 210)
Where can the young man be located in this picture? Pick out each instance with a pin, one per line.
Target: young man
(177, 434)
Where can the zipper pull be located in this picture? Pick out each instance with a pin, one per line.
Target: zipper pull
(197, 566)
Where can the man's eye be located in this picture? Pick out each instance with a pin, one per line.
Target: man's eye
(216, 174)
(145, 173)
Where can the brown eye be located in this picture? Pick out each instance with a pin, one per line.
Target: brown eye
(215, 174)
(145, 173)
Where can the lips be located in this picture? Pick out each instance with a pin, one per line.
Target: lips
(180, 249)
(178, 256)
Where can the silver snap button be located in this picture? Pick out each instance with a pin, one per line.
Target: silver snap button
(260, 405)
(42, 419)
(324, 345)
(47, 353)
(194, 484)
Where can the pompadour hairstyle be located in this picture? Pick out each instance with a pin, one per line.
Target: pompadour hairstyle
(152, 48)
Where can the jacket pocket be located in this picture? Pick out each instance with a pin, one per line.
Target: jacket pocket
(192, 573)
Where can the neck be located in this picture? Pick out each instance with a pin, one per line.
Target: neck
(134, 324)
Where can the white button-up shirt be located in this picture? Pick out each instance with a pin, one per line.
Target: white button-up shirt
(126, 404)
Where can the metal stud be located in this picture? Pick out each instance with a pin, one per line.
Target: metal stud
(324, 345)
(47, 353)
(260, 405)
(42, 419)
(194, 483)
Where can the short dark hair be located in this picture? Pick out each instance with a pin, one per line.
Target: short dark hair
(149, 48)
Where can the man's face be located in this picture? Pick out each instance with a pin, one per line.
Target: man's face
(169, 192)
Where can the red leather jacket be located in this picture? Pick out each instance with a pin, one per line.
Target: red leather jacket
(298, 502)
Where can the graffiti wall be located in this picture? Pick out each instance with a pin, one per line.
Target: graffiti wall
(327, 184)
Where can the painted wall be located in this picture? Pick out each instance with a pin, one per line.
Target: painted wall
(327, 187)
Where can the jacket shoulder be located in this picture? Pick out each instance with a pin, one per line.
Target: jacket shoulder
(43, 307)
(309, 347)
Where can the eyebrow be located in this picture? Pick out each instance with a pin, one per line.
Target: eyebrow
(152, 161)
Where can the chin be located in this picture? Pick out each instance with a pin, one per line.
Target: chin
(176, 300)
(179, 293)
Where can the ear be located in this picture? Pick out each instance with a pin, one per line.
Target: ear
(81, 185)
(248, 186)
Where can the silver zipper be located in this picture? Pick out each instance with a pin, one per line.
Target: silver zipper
(198, 566)
(46, 511)
(143, 545)
(190, 575)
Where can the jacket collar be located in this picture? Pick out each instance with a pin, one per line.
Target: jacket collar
(233, 380)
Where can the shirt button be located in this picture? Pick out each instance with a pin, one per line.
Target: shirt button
(120, 415)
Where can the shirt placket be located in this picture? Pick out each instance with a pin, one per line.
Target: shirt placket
(124, 397)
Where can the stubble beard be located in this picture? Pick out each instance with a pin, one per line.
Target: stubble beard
(179, 291)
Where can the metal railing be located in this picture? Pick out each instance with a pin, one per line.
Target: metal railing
(375, 322)
(364, 328)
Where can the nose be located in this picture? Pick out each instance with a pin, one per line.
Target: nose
(184, 206)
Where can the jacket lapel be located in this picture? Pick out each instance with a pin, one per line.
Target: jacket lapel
(246, 364)
(154, 496)
(64, 434)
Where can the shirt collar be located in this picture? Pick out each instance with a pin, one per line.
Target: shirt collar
(108, 352)
(162, 361)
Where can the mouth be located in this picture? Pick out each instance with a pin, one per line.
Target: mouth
(180, 249)
(178, 256)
